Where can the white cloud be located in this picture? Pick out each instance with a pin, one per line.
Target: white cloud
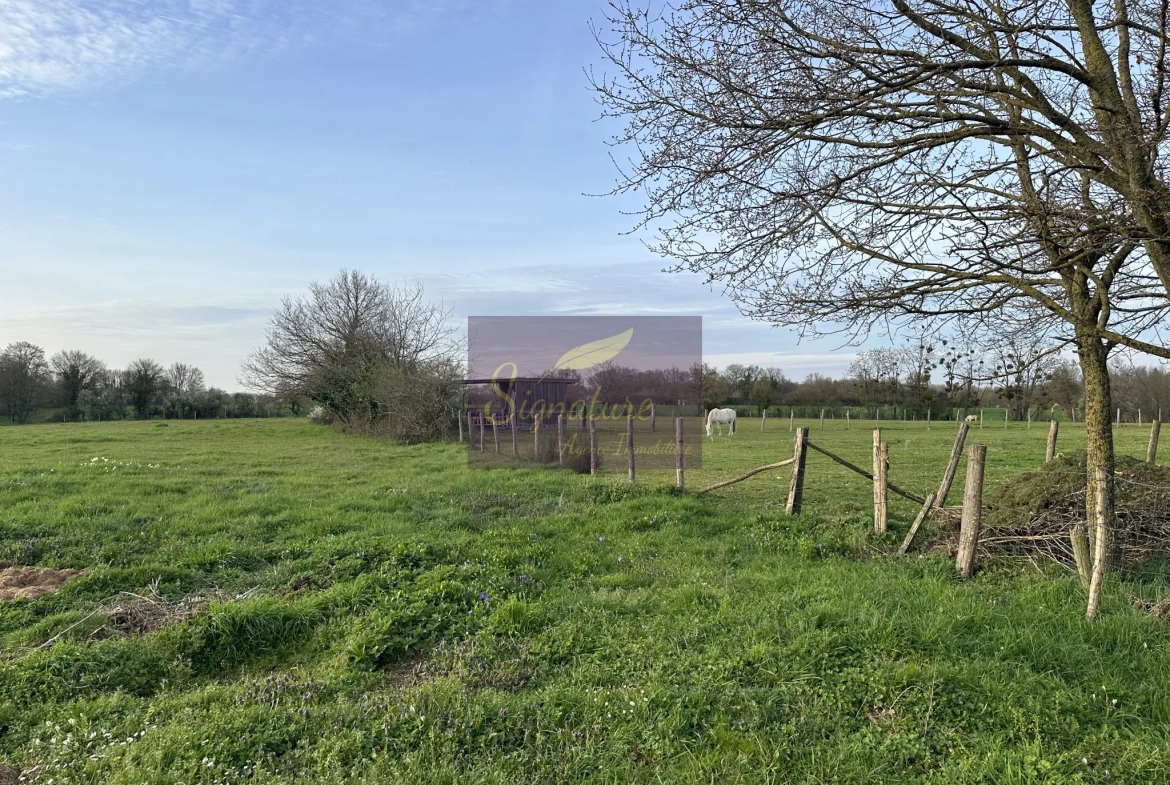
(63, 45)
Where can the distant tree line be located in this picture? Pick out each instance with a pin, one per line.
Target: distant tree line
(944, 382)
(85, 388)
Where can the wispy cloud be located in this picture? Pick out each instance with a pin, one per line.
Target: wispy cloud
(62, 45)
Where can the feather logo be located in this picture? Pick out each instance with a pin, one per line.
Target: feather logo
(593, 353)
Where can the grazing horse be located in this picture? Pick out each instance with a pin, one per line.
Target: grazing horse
(972, 418)
(718, 417)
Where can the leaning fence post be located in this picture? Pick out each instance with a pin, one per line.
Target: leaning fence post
(1050, 452)
(630, 445)
(796, 486)
(922, 513)
(592, 447)
(1152, 450)
(561, 440)
(678, 451)
(944, 487)
(972, 511)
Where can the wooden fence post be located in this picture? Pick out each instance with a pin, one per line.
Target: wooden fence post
(972, 511)
(515, 435)
(460, 419)
(630, 445)
(592, 447)
(928, 418)
(878, 488)
(678, 451)
(922, 513)
(495, 434)
(653, 419)
(881, 488)
(536, 438)
(481, 431)
(791, 418)
(763, 417)
(848, 422)
(822, 419)
(981, 419)
(561, 440)
(944, 488)
(1084, 562)
(796, 486)
(1050, 452)
(1152, 450)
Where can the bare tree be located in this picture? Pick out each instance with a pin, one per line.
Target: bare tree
(143, 381)
(847, 164)
(330, 345)
(74, 371)
(23, 376)
(1023, 367)
(916, 362)
(184, 380)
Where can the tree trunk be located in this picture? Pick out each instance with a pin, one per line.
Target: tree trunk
(1093, 357)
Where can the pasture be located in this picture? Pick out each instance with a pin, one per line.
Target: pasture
(269, 601)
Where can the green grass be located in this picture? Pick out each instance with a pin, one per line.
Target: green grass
(382, 613)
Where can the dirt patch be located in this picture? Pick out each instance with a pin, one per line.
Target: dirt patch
(31, 583)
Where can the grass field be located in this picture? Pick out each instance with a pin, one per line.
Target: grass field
(268, 601)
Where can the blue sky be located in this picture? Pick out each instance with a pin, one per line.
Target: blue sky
(169, 170)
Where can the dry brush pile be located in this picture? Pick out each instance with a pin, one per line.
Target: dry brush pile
(1034, 513)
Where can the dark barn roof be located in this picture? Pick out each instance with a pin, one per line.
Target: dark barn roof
(508, 382)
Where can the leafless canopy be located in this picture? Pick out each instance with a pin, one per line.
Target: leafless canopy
(328, 346)
(843, 162)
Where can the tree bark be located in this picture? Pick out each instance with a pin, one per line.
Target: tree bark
(1099, 459)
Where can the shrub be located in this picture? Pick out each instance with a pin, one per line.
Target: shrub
(320, 416)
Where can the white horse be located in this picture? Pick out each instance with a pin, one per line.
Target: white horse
(971, 418)
(718, 417)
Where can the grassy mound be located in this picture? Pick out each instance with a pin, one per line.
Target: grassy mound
(1034, 511)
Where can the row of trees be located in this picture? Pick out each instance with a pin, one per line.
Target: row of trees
(1054, 385)
(86, 389)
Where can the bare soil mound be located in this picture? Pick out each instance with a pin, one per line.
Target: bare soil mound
(30, 583)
